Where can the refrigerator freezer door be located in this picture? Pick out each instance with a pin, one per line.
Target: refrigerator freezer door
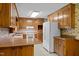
(50, 29)
(46, 35)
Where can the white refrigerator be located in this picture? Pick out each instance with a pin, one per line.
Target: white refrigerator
(50, 29)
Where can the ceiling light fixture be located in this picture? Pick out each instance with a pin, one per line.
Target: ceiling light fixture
(34, 14)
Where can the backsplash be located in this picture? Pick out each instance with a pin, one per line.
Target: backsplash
(74, 31)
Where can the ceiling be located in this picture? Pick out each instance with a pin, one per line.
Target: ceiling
(25, 9)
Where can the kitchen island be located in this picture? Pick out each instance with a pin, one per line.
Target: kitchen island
(17, 46)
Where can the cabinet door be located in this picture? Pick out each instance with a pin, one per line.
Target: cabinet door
(5, 15)
(71, 16)
(52, 17)
(61, 47)
(1, 14)
(60, 19)
(39, 36)
(28, 50)
(69, 12)
(13, 15)
(0, 7)
(6, 52)
(67, 17)
(56, 43)
(76, 50)
(23, 51)
(49, 17)
(55, 16)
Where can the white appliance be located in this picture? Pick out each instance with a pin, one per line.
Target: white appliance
(30, 33)
(50, 29)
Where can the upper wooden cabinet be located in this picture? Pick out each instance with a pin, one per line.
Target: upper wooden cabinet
(13, 15)
(8, 15)
(0, 7)
(53, 16)
(5, 15)
(65, 16)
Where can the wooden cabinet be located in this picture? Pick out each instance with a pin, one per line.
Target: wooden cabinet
(51, 17)
(56, 42)
(17, 51)
(24, 51)
(59, 46)
(60, 19)
(64, 46)
(27, 51)
(76, 48)
(67, 19)
(65, 16)
(7, 18)
(6, 52)
(0, 7)
(5, 15)
(13, 15)
(40, 36)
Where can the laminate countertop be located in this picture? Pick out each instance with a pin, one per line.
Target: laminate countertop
(65, 37)
(16, 41)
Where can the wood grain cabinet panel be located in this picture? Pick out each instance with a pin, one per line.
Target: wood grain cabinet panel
(65, 16)
(40, 36)
(60, 49)
(17, 51)
(65, 46)
(68, 16)
(24, 50)
(76, 49)
(60, 19)
(51, 17)
(0, 7)
(6, 52)
(56, 45)
(27, 51)
(7, 16)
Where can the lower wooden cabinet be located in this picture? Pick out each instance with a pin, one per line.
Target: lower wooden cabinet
(65, 46)
(40, 36)
(0, 6)
(6, 52)
(77, 48)
(17, 51)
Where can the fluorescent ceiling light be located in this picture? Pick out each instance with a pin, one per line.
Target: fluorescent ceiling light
(34, 14)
